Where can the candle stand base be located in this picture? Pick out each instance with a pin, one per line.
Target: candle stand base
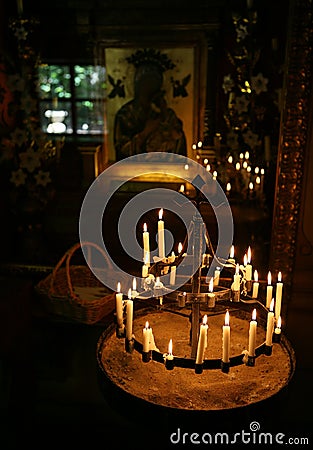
(198, 368)
(276, 337)
(251, 361)
(169, 364)
(268, 349)
(225, 366)
(146, 356)
(120, 332)
(129, 345)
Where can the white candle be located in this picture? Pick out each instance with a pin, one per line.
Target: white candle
(226, 339)
(146, 335)
(236, 283)
(144, 271)
(119, 305)
(129, 317)
(252, 334)
(255, 287)
(217, 276)
(134, 292)
(146, 245)
(270, 325)
(278, 298)
(202, 340)
(173, 275)
(269, 290)
(161, 241)
(249, 266)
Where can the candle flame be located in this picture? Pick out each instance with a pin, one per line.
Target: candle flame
(211, 285)
(245, 164)
(254, 314)
(161, 214)
(279, 277)
(185, 293)
(238, 166)
(194, 146)
(208, 168)
(279, 322)
(257, 170)
(258, 180)
(269, 278)
(134, 284)
(251, 186)
(241, 156)
(182, 188)
(118, 287)
(232, 252)
(186, 167)
(215, 173)
(170, 347)
(249, 254)
(200, 144)
(205, 161)
(228, 187)
(180, 247)
(262, 171)
(230, 159)
(237, 269)
(145, 227)
(205, 319)
(256, 276)
(247, 156)
(129, 293)
(245, 260)
(227, 318)
(272, 305)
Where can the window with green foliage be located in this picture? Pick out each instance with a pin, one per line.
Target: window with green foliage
(71, 99)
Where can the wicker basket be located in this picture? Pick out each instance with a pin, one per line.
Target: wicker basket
(74, 292)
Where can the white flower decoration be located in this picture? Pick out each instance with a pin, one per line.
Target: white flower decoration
(42, 178)
(250, 138)
(259, 83)
(241, 104)
(18, 177)
(228, 83)
(30, 160)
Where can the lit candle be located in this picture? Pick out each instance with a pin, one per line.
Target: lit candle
(278, 298)
(228, 188)
(230, 159)
(182, 189)
(269, 290)
(236, 283)
(180, 248)
(249, 266)
(252, 334)
(173, 275)
(119, 306)
(226, 339)
(217, 276)
(129, 316)
(231, 258)
(211, 295)
(255, 288)
(134, 292)
(169, 358)
(238, 166)
(202, 341)
(270, 325)
(146, 334)
(277, 331)
(161, 241)
(146, 245)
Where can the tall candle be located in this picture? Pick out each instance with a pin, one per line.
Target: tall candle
(129, 317)
(252, 334)
(216, 276)
(270, 324)
(119, 305)
(146, 335)
(226, 339)
(161, 240)
(278, 298)
(236, 283)
(173, 275)
(269, 290)
(255, 287)
(202, 341)
(146, 245)
(249, 266)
